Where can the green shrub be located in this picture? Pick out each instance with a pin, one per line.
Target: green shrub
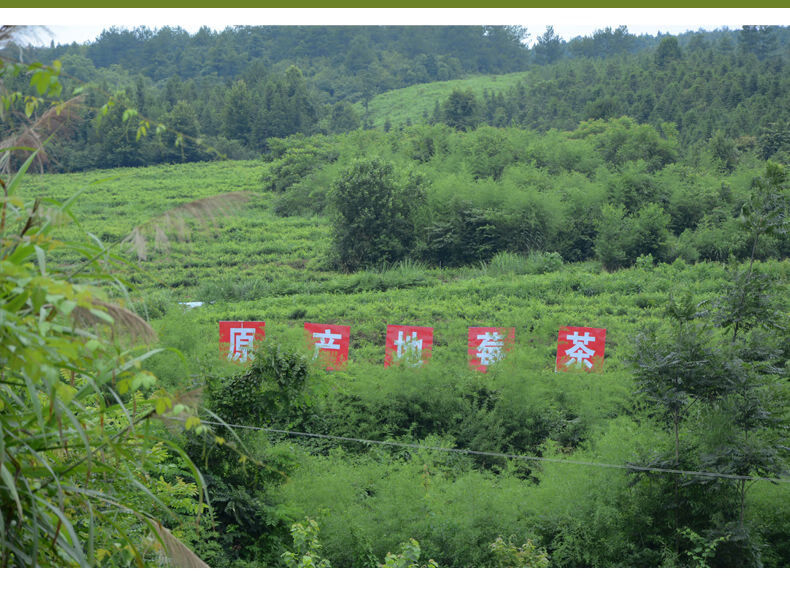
(374, 214)
(508, 555)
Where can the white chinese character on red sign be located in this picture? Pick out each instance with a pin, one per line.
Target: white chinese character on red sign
(409, 348)
(326, 340)
(579, 351)
(488, 345)
(410, 345)
(581, 347)
(241, 340)
(329, 342)
(237, 339)
(490, 349)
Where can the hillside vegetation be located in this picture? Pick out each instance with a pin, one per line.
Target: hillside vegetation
(702, 87)
(633, 184)
(224, 95)
(247, 262)
(417, 103)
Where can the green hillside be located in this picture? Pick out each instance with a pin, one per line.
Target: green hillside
(412, 105)
(632, 185)
(248, 263)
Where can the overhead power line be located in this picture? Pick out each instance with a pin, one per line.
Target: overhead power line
(514, 456)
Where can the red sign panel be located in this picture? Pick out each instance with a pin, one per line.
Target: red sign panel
(329, 342)
(410, 345)
(580, 347)
(237, 339)
(488, 345)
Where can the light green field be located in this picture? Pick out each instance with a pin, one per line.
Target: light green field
(411, 103)
(246, 263)
(251, 264)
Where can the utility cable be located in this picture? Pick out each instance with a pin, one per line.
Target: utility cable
(533, 458)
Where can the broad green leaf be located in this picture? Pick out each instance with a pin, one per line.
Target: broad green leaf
(8, 479)
(15, 181)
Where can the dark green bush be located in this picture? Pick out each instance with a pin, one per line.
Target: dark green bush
(374, 207)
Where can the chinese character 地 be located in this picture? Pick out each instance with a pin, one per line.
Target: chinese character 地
(326, 340)
(579, 351)
(409, 347)
(241, 340)
(490, 349)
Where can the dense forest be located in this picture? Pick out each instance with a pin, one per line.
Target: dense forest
(157, 183)
(232, 91)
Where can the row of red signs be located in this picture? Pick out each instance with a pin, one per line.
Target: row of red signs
(578, 347)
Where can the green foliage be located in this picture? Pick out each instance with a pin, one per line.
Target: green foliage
(668, 51)
(490, 152)
(460, 110)
(740, 95)
(623, 238)
(503, 230)
(66, 386)
(614, 237)
(295, 174)
(469, 236)
(302, 80)
(484, 194)
(748, 303)
(344, 118)
(623, 140)
(374, 502)
(633, 187)
(414, 102)
(730, 388)
(702, 549)
(79, 453)
(509, 263)
(723, 151)
(768, 208)
(307, 551)
(774, 141)
(243, 470)
(182, 139)
(651, 233)
(375, 209)
(287, 107)
(408, 557)
(508, 555)
(682, 369)
(237, 113)
(548, 47)
(307, 547)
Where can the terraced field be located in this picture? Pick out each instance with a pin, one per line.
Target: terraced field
(246, 263)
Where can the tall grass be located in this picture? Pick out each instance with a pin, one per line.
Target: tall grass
(512, 263)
